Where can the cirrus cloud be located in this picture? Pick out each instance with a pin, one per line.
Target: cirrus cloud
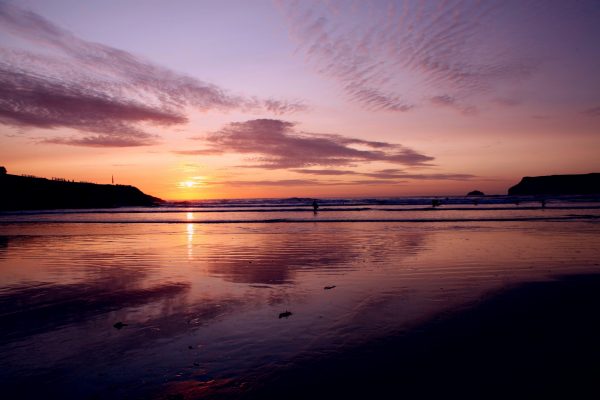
(90, 87)
(396, 55)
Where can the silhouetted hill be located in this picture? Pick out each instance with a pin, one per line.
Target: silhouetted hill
(558, 184)
(31, 193)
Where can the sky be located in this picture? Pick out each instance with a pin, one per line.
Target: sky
(238, 99)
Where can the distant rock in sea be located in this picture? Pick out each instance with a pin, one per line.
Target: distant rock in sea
(557, 185)
(32, 193)
(476, 193)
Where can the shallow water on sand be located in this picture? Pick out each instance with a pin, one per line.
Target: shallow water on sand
(203, 303)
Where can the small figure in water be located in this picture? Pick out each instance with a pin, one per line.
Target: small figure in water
(543, 201)
(435, 203)
(315, 206)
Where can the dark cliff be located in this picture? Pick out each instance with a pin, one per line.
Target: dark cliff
(557, 184)
(30, 193)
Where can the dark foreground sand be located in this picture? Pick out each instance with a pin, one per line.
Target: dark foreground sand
(532, 341)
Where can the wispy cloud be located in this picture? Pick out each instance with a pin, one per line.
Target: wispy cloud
(198, 152)
(396, 55)
(392, 174)
(278, 144)
(301, 182)
(29, 100)
(451, 102)
(592, 112)
(91, 87)
(325, 172)
(103, 141)
(275, 182)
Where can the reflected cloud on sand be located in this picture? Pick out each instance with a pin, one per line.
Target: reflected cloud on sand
(276, 258)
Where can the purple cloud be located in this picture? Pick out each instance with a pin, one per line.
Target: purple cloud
(443, 100)
(326, 172)
(390, 55)
(277, 144)
(280, 182)
(451, 102)
(381, 175)
(95, 88)
(302, 182)
(592, 112)
(103, 141)
(31, 101)
(198, 152)
(280, 107)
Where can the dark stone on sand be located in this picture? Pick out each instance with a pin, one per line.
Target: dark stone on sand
(285, 314)
(558, 185)
(476, 193)
(31, 193)
(119, 325)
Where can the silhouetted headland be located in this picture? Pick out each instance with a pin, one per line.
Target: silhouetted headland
(557, 185)
(32, 193)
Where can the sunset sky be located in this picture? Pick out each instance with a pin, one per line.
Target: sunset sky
(235, 99)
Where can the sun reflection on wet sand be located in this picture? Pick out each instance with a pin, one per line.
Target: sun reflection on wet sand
(190, 241)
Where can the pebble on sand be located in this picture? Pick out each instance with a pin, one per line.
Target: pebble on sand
(285, 314)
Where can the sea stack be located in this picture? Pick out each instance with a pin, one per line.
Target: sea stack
(476, 193)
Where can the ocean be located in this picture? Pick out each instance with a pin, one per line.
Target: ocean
(211, 298)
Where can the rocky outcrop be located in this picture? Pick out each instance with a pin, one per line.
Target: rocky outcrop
(476, 193)
(31, 193)
(557, 185)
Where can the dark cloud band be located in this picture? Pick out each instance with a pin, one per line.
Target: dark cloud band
(277, 144)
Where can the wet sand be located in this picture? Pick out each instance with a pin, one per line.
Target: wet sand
(531, 341)
(190, 311)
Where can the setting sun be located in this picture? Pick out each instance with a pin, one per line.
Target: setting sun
(187, 184)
